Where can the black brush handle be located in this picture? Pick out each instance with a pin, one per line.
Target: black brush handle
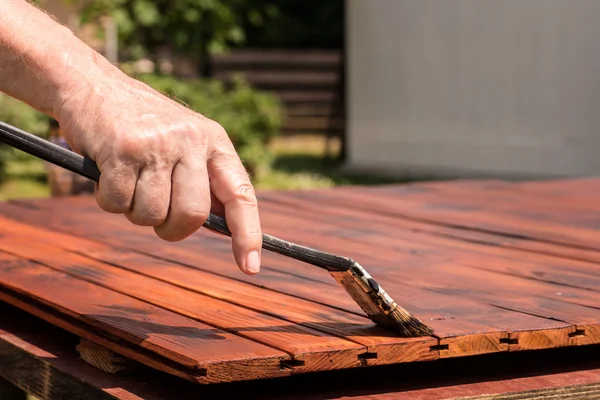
(78, 164)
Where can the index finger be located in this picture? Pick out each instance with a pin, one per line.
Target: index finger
(230, 184)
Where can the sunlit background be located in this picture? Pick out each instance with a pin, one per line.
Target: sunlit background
(334, 92)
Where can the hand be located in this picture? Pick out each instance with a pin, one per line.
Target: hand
(161, 164)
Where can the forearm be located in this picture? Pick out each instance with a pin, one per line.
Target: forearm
(42, 62)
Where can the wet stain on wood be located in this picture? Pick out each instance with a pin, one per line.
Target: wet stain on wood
(492, 266)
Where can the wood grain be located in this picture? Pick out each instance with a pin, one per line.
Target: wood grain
(472, 329)
(464, 334)
(313, 349)
(346, 212)
(492, 266)
(437, 208)
(383, 346)
(496, 280)
(191, 344)
(41, 359)
(103, 358)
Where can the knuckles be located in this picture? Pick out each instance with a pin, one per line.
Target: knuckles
(162, 143)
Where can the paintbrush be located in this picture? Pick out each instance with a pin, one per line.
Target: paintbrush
(357, 282)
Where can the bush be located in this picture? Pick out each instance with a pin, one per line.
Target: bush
(22, 116)
(250, 117)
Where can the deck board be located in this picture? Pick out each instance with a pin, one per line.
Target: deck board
(471, 330)
(492, 266)
(198, 348)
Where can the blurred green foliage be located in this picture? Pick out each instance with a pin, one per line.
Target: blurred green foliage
(294, 24)
(195, 28)
(250, 117)
(22, 116)
(198, 28)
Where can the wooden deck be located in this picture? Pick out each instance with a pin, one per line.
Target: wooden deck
(493, 267)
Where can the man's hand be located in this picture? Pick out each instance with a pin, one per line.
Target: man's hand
(162, 165)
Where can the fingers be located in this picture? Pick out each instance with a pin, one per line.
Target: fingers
(231, 186)
(116, 187)
(190, 200)
(150, 204)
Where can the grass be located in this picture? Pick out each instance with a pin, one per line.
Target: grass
(25, 178)
(300, 163)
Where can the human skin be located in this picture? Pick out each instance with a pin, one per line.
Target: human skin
(162, 165)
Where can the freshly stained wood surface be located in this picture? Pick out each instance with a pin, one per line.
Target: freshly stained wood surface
(198, 348)
(42, 359)
(491, 266)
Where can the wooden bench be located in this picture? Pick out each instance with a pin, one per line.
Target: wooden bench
(310, 85)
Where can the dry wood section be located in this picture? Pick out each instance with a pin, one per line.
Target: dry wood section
(491, 266)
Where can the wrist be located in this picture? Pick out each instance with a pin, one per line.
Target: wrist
(77, 72)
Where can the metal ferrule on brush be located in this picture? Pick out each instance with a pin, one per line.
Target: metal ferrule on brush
(366, 292)
(363, 289)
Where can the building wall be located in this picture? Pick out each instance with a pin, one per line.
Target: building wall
(474, 87)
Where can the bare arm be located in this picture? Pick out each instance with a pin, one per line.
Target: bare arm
(161, 163)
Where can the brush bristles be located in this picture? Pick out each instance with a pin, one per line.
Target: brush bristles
(405, 324)
(377, 304)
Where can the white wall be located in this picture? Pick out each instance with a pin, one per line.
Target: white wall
(474, 87)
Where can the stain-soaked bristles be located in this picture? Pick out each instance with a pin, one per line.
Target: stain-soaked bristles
(407, 325)
(377, 304)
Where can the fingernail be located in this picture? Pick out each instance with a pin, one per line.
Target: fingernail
(253, 262)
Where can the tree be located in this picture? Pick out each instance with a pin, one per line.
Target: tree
(194, 28)
(295, 24)
(199, 28)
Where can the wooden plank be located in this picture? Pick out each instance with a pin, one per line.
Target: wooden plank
(40, 358)
(104, 359)
(263, 58)
(43, 370)
(366, 228)
(583, 188)
(471, 331)
(461, 213)
(308, 97)
(284, 78)
(489, 256)
(310, 349)
(209, 354)
(312, 123)
(488, 337)
(455, 277)
(459, 270)
(386, 347)
(491, 310)
(347, 212)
